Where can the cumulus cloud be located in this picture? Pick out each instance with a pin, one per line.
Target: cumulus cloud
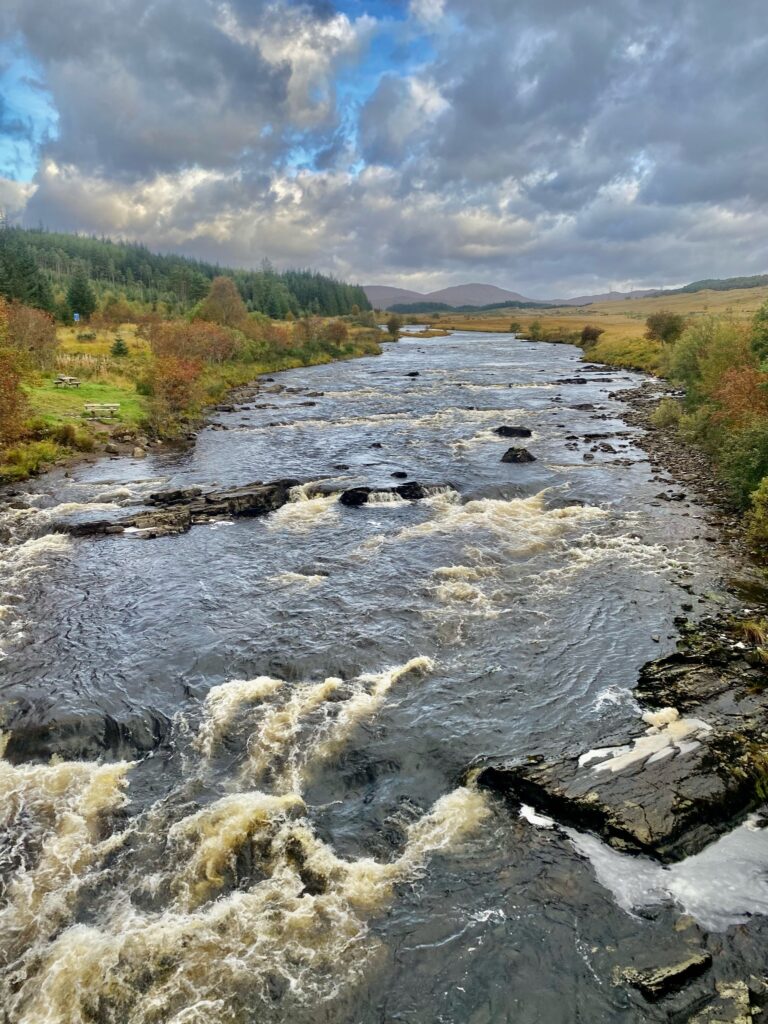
(543, 145)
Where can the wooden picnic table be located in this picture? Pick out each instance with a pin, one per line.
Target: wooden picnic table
(66, 382)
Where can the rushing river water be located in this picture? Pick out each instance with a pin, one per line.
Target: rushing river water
(301, 847)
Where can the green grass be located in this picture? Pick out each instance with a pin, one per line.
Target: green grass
(57, 405)
(28, 458)
(634, 353)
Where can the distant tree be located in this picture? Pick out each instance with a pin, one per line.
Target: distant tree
(81, 297)
(590, 334)
(223, 305)
(116, 310)
(535, 330)
(393, 325)
(119, 348)
(20, 277)
(33, 334)
(514, 328)
(664, 326)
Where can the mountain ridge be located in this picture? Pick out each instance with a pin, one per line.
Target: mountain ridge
(484, 295)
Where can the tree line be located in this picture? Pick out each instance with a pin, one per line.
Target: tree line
(39, 268)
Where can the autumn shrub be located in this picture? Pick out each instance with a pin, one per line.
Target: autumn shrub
(175, 383)
(335, 331)
(666, 414)
(757, 518)
(33, 334)
(705, 351)
(590, 334)
(197, 341)
(741, 396)
(743, 459)
(13, 401)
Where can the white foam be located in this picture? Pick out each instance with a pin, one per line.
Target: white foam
(722, 886)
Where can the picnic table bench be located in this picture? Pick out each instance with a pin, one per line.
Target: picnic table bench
(101, 408)
(66, 382)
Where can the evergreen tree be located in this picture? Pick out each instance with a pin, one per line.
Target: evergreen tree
(20, 277)
(80, 295)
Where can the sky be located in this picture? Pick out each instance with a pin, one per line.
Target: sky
(553, 147)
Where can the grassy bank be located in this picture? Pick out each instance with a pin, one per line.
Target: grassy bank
(162, 386)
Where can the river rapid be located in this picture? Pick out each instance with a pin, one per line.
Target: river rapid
(303, 845)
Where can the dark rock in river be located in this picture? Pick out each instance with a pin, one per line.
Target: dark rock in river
(507, 431)
(697, 769)
(518, 455)
(38, 732)
(400, 475)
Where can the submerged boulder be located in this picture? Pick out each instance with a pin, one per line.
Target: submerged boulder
(518, 455)
(508, 431)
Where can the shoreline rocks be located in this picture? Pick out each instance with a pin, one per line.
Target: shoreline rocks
(696, 766)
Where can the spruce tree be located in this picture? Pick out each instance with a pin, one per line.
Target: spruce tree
(81, 297)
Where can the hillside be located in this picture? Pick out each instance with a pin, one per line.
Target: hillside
(486, 296)
(385, 297)
(135, 274)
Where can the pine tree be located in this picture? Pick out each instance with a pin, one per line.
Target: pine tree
(80, 295)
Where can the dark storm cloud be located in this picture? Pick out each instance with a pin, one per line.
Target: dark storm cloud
(546, 144)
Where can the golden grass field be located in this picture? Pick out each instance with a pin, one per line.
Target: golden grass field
(622, 319)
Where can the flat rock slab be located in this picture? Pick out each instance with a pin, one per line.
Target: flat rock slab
(695, 766)
(177, 511)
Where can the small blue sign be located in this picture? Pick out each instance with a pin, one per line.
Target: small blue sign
(76, 317)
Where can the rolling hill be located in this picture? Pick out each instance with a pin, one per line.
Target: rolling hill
(383, 297)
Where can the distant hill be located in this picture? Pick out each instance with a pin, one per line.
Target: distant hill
(725, 284)
(464, 297)
(384, 297)
(586, 300)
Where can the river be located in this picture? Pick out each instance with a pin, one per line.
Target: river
(301, 846)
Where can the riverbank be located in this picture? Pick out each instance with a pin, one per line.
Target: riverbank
(60, 433)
